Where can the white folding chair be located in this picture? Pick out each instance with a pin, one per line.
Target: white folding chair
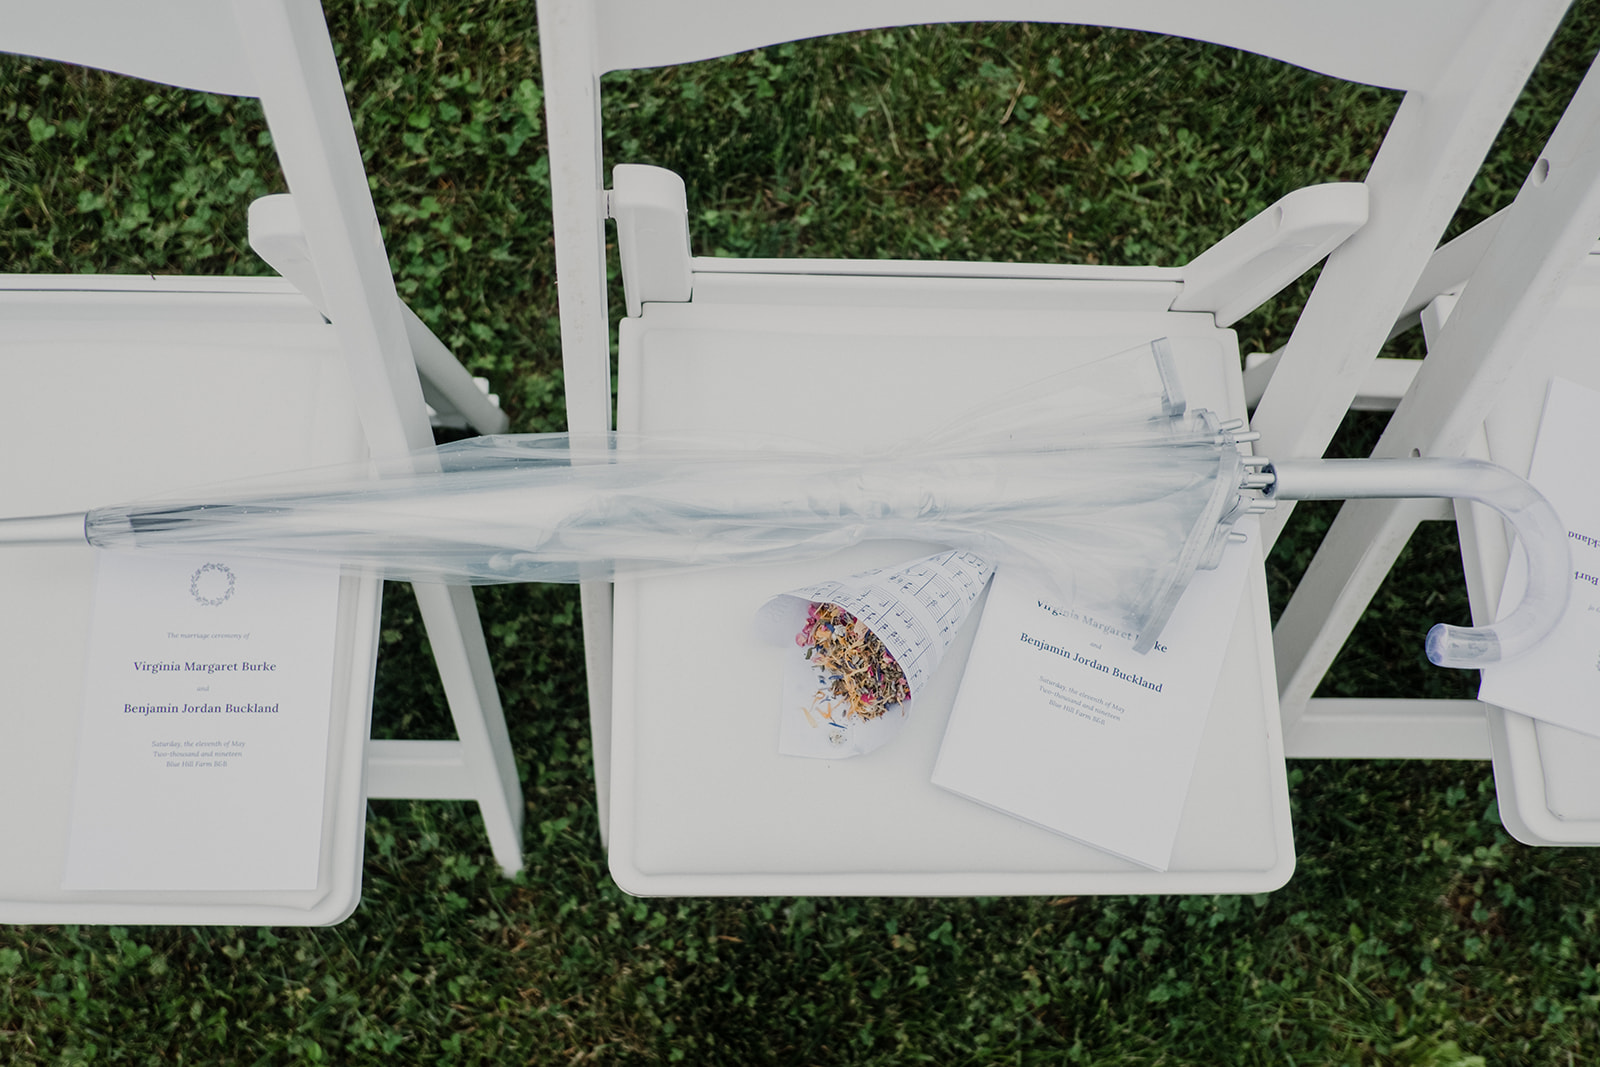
(180, 381)
(1504, 308)
(695, 798)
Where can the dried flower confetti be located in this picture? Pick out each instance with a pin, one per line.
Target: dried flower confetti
(855, 664)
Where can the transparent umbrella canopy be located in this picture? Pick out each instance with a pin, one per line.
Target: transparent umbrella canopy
(1114, 497)
(1120, 526)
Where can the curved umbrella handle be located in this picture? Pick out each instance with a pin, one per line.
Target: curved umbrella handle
(1539, 531)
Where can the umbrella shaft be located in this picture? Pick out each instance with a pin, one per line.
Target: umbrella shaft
(66, 528)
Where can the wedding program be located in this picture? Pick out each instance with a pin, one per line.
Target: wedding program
(1060, 723)
(203, 741)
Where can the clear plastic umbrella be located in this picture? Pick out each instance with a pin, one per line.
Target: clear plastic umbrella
(1113, 497)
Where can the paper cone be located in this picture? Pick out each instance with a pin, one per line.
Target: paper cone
(916, 609)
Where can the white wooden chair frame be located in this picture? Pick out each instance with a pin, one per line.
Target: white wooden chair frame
(1482, 302)
(1461, 77)
(1517, 261)
(328, 242)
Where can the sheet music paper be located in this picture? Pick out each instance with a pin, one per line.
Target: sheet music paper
(203, 743)
(916, 609)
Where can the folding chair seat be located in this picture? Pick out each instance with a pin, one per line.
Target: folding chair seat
(695, 798)
(178, 381)
(1504, 308)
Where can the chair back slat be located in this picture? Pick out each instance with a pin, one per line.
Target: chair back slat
(1397, 45)
(193, 44)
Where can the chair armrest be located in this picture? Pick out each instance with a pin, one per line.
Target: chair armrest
(652, 213)
(1253, 263)
(277, 236)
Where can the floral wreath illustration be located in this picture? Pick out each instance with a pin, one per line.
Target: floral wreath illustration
(218, 568)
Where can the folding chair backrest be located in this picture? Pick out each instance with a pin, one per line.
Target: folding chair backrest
(1460, 65)
(279, 51)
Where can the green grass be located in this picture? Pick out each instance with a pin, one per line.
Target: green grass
(1414, 931)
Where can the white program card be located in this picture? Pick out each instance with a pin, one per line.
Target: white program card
(1060, 723)
(203, 745)
(1558, 680)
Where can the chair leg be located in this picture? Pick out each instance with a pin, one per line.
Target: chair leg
(446, 384)
(1350, 564)
(596, 604)
(451, 617)
(1507, 777)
